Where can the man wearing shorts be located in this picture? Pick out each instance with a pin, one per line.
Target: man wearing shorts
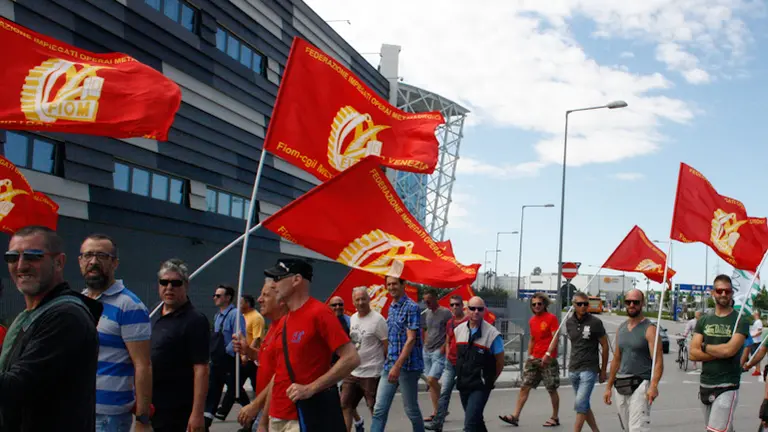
(435, 319)
(368, 332)
(543, 326)
(586, 333)
(719, 348)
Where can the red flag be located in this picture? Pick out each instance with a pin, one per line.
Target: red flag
(358, 219)
(15, 197)
(702, 215)
(374, 284)
(51, 86)
(447, 246)
(326, 120)
(638, 254)
(44, 211)
(466, 292)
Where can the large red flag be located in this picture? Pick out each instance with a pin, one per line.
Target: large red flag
(43, 211)
(326, 120)
(637, 253)
(358, 219)
(465, 292)
(703, 215)
(447, 246)
(55, 87)
(374, 284)
(16, 196)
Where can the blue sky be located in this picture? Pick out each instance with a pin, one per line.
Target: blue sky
(691, 72)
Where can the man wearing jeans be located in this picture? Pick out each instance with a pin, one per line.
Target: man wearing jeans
(435, 319)
(449, 374)
(404, 362)
(585, 332)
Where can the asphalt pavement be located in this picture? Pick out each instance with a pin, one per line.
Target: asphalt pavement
(677, 408)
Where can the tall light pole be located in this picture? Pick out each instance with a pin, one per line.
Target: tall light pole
(496, 265)
(612, 105)
(520, 252)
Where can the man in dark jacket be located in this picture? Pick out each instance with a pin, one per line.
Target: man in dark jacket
(479, 362)
(50, 353)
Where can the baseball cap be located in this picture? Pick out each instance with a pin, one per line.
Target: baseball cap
(286, 266)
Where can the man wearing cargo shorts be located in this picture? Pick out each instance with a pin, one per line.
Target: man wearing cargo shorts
(435, 317)
(541, 364)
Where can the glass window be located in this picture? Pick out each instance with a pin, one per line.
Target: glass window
(177, 191)
(223, 203)
(221, 40)
(237, 207)
(153, 3)
(258, 63)
(120, 177)
(188, 17)
(233, 46)
(159, 186)
(140, 182)
(15, 149)
(171, 9)
(42, 156)
(245, 55)
(210, 200)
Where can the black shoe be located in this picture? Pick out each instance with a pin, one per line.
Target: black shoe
(433, 427)
(220, 415)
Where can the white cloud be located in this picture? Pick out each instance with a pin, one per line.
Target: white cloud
(517, 64)
(458, 212)
(627, 54)
(629, 176)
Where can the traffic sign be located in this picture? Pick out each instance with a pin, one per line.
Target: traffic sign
(570, 270)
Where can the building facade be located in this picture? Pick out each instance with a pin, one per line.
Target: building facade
(608, 286)
(187, 197)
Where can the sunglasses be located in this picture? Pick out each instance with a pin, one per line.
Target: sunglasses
(537, 304)
(101, 256)
(581, 304)
(29, 255)
(173, 282)
(632, 302)
(476, 308)
(723, 291)
(337, 304)
(218, 295)
(279, 278)
(456, 304)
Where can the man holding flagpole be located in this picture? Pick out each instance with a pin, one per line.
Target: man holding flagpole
(718, 347)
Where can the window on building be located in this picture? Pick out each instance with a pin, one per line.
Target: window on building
(240, 51)
(28, 151)
(228, 204)
(177, 10)
(149, 183)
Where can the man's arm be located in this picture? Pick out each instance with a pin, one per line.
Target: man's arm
(200, 389)
(728, 349)
(140, 356)
(410, 342)
(758, 357)
(605, 353)
(348, 361)
(499, 364)
(695, 353)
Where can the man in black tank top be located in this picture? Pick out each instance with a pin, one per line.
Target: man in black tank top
(630, 376)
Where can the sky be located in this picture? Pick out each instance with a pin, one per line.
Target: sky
(691, 72)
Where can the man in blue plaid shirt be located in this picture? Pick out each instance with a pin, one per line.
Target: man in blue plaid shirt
(404, 363)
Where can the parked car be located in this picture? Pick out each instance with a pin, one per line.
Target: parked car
(664, 339)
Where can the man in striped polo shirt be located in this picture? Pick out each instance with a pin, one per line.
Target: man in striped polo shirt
(124, 341)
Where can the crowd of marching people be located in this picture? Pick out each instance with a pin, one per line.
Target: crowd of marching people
(96, 360)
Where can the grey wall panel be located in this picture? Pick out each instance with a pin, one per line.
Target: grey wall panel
(32, 20)
(6, 9)
(87, 174)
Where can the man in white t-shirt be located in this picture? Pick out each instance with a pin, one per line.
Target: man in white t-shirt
(756, 331)
(368, 331)
(689, 327)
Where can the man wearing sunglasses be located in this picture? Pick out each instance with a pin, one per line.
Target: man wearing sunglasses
(719, 348)
(630, 373)
(586, 333)
(49, 360)
(479, 362)
(124, 329)
(542, 361)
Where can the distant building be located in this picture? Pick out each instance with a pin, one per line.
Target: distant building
(608, 286)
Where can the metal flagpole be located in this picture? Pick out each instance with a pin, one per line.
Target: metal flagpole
(661, 308)
(749, 292)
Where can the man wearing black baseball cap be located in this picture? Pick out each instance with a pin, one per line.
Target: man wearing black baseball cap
(309, 327)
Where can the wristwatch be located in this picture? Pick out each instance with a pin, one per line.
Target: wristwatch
(143, 419)
(704, 347)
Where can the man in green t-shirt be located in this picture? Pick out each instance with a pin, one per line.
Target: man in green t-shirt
(719, 349)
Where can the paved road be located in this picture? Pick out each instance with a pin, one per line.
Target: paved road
(677, 408)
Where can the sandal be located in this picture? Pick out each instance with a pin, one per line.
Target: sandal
(552, 422)
(510, 419)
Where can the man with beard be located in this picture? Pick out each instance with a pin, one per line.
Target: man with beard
(124, 341)
(48, 363)
(718, 347)
(630, 371)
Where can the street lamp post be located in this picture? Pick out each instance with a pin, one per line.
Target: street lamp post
(496, 265)
(612, 105)
(520, 252)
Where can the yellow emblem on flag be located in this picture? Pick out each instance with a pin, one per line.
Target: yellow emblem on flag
(350, 125)
(725, 231)
(380, 253)
(648, 265)
(77, 99)
(7, 193)
(378, 295)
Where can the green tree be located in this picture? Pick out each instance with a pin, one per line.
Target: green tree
(760, 301)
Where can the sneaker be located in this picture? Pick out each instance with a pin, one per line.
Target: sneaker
(360, 427)
(433, 427)
(756, 373)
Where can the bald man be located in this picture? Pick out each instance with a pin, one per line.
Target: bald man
(337, 306)
(630, 376)
(477, 367)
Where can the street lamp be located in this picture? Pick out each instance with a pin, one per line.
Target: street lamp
(520, 252)
(611, 105)
(496, 265)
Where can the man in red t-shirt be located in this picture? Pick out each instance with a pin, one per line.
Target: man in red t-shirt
(541, 363)
(313, 334)
(449, 373)
(265, 354)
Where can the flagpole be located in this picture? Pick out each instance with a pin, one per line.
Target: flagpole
(661, 307)
(749, 292)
